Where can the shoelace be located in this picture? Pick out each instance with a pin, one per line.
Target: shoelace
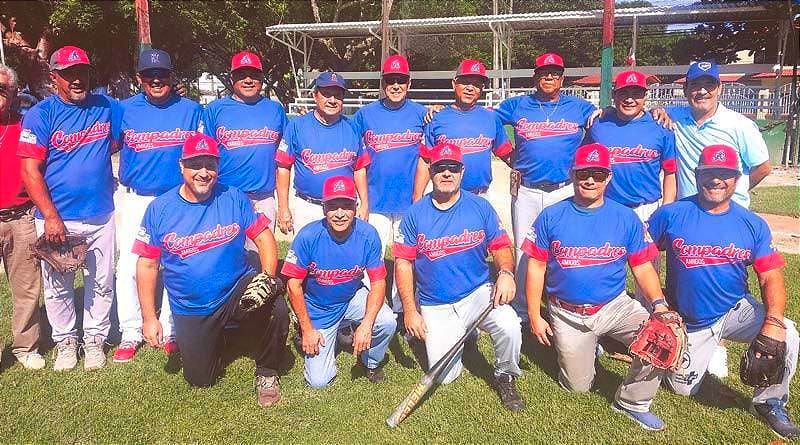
(506, 387)
(265, 382)
(67, 348)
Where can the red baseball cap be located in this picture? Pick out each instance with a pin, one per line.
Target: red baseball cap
(630, 79)
(199, 145)
(68, 56)
(592, 156)
(245, 59)
(395, 64)
(338, 187)
(549, 59)
(719, 156)
(445, 151)
(471, 67)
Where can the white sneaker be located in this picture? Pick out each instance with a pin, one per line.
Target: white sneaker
(66, 355)
(95, 357)
(718, 365)
(31, 360)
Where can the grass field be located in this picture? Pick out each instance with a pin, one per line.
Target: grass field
(784, 200)
(148, 401)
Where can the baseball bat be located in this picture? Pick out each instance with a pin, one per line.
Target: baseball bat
(426, 382)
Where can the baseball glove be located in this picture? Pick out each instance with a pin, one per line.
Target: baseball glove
(766, 370)
(263, 289)
(65, 257)
(661, 341)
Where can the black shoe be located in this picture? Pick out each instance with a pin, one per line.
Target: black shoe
(774, 415)
(375, 375)
(507, 389)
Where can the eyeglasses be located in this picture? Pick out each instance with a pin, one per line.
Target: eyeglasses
(201, 162)
(597, 175)
(549, 73)
(440, 168)
(155, 73)
(723, 174)
(395, 79)
(336, 93)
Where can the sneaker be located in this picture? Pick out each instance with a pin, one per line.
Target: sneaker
(718, 365)
(374, 375)
(94, 356)
(66, 355)
(31, 360)
(125, 351)
(171, 347)
(268, 389)
(506, 387)
(647, 420)
(774, 415)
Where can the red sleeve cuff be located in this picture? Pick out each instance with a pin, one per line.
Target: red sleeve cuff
(424, 152)
(362, 161)
(499, 242)
(377, 273)
(404, 251)
(669, 165)
(284, 159)
(115, 146)
(34, 151)
(146, 250)
(259, 225)
(649, 253)
(769, 262)
(503, 149)
(292, 270)
(534, 251)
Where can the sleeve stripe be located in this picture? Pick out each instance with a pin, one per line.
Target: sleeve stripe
(768, 262)
(284, 159)
(404, 251)
(503, 149)
(146, 250)
(534, 251)
(500, 242)
(34, 151)
(377, 273)
(259, 225)
(649, 253)
(292, 270)
(669, 165)
(362, 161)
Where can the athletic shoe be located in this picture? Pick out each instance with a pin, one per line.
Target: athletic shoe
(31, 360)
(66, 355)
(125, 351)
(374, 375)
(171, 347)
(506, 387)
(268, 389)
(774, 415)
(718, 365)
(646, 420)
(94, 356)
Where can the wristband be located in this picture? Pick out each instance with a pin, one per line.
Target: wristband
(657, 302)
(775, 321)
(507, 272)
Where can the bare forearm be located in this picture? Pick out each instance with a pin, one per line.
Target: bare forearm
(503, 259)
(773, 292)
(37, 188)
(360, 179)
(534, 286)
(267, 251)
(669, 189)
(648, 281)
(282, 179)
(421, 178)
(758, 173)
(146, 277)
(375, 298)
(404, 277)
(298, 302)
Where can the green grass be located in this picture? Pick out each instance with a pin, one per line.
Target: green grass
(141, 402)
(781, 200)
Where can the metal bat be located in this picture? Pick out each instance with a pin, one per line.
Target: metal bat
(426, 382)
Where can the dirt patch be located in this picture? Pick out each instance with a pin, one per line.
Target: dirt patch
(785, 232)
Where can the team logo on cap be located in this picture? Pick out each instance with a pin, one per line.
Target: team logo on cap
(73, 56)
(631, 78)
(338, 186)
(719, 156)
(396, 65)
(201, 145)
(593, 156)
(475, 68)
(154, 58)
(705, 66)
(549, 60)
(445, 151)
(245, 59)
(333, 77)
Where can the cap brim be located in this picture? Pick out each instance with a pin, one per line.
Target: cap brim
(197, 155)
(631, 86)
(247, 66)
(441, 161)
(716, 167)
(330, 198)
(549, 66)
(65, 66)
(715, 78)
(586, 167)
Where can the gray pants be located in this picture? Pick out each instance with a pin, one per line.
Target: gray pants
(576, 339)
(525, 207)
(741, 324)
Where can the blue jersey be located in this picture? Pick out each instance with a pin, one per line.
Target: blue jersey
(546, 134)
(449, 247)
(334, 268)
(639, 149)
(478, 132)
(75, 142)
(319, 151)
(708, 255)
(152, 137)
(586, 249)
(392, 138)
(248, 135)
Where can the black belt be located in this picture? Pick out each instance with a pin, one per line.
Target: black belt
(310, 199)
(634, 206)
(139, 192)
(479, 191)
(16, 212)
(258, 196)
(545, 186)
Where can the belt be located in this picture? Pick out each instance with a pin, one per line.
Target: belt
(140, 193)
(16, 212)
(580, 309)
(479, 190)
(258, 196)
(634, 206)
(310, 199)
(545, 186)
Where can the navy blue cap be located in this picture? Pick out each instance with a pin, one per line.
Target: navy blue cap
(329, 79)
(703, 68)
(154, 58)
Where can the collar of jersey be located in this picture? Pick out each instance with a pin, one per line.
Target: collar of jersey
(458, 201)
(405, 102)
(697, 203)
(585, 210)
(173, 99)
(260, 98)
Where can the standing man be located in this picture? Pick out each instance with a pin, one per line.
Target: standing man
(196, 231)
(710, 241)
(548, 128)
(66, 144)
(584, 244)
(331, 255)
(17, 233)
(392, 132)
(471, 127)
(248, 127)
(320, 145)
(155, 124)
(444, 238)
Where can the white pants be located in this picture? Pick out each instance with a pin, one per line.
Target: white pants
(446, 323)
(304, 213)
(262, 204)
(644, 212)
(388, 227)
(59, 289)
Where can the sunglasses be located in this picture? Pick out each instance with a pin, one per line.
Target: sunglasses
(201, 162)
(395, 79)
(453, 168)
(471, 80)
(550, 73)
(339, 203)
(244, 73)
(597, 175)
(156, 73)
(722, 174)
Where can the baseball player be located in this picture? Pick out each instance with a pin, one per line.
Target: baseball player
(155, 124)
(444, 238)
(474, 129)
(248, 127)
(392, 130)
(548, 128)
(196, 231)
(320, 145)
(584, 243)
(710, 241)
(66, 144)
(332, 255)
